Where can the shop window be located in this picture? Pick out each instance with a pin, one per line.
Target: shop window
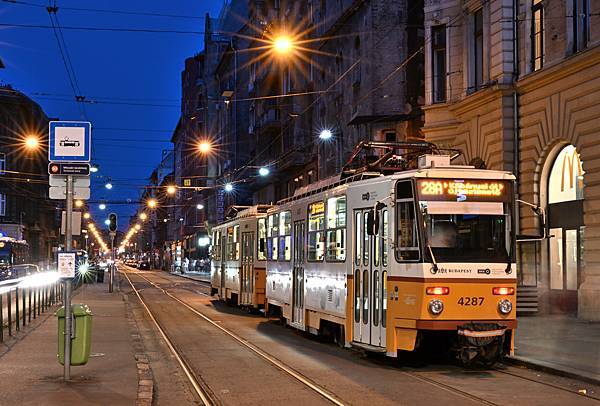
(316, 237)
(336, 229)
(566, 177)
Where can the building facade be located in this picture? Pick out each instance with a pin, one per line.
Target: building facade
(513, 84)
(26, 212)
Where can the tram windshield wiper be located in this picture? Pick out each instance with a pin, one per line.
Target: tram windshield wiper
(435, 266)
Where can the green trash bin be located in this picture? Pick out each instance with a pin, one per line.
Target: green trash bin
(82, 334)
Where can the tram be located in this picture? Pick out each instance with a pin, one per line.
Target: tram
(238, 266)
(400, 251)
(14, 258)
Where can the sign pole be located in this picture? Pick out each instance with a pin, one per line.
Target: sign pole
(68, 281)
(112, 265)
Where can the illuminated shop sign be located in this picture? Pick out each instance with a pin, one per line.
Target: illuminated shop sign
(460, 190)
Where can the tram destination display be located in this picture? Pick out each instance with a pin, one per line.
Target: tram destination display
(461, 190)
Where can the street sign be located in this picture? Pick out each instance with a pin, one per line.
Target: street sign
(60, 193)
(70, 141)
(77, 169)
(75, 223)
(61, 181)
(66, 264)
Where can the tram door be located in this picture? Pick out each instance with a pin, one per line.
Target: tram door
(370, 273)
(298, 276)
(247, 271)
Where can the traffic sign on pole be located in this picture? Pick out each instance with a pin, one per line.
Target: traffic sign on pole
(77, 169)
(70, 141)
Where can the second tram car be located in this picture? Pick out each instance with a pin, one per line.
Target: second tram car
(238, 268)
(14, 258)
(390, 263)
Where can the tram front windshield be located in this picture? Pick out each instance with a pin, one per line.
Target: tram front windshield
(5, 256)
(467, 237)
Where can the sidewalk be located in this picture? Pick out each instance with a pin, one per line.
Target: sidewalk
(559, 344)
(31, 375)
(198, 276)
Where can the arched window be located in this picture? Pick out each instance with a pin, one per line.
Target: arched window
(566, 177)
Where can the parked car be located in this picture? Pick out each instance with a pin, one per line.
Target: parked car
(143, 264)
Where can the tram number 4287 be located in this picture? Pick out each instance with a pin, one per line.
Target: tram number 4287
(470, 301)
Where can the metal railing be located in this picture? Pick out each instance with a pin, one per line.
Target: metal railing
(19, 305)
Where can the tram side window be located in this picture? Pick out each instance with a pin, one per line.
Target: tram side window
(336, 229)
(407, 234)
(285, 236)
(217, 246)
(272, 237)
(262, 239)
(233, 243)
(384, 238)
(357, 239)
(316, 237)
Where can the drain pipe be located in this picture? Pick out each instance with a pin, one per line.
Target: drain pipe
(516, 135)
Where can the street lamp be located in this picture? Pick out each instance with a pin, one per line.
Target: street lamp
(102, 206)
(228, 187)
(171, 189)
(138, 227)
(107, 222)
(87, 216)
(283, 44)
(152, 203)
(93, 169)
(204, 147)
(143, 216)
(325, 134)
(32, 142)
(263, 171)
(78, 203)
(199, 207)
(108, 185)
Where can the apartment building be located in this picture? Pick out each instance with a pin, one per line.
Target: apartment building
(514, 85)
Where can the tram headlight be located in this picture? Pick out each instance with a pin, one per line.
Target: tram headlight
(505, 306)
(436, 306)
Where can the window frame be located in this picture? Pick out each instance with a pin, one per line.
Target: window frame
(272, 237)
(436, 87)
(286, 238)
(537, 6)
(344, 230)
(580, 27)
(321, 230)
(261, 255)
(477, 38)
(396, 223)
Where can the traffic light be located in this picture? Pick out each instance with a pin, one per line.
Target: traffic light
(112, 222)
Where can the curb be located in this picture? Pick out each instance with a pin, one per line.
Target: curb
(188, 277)
(549, 368)
(145, 392)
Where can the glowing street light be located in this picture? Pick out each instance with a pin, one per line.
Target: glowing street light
(32, 142)
(171, 189)
(199, 207)
(228, 187)
(325, 134)
(152, 203)
(87, 216)
(107, 222)
(204, 147)
(102, 206)
(108, 185)
(283, 44)
(143, 216)
(264, 171)
(138, 227)
(78, 203)
(93, 169)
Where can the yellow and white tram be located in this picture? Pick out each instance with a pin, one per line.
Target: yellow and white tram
(238, 268)
(386, 262)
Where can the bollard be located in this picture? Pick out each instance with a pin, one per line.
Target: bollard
(17, 326)
(24, 313)
(1, 320)
(39, 300)
(29, 307)
(9, 307)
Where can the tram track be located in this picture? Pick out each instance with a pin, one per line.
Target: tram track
(201, 388)
(332, 398)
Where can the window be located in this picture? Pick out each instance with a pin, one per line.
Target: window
(477, 64)
(438, 63)
(407, 235)
(375, 298)
(2, 163)
(2, 204)
(581, 24)
(336, 229)
(384, 298)
(357, 296)
(390, 136)
(316, 238)
(272, 234)
(262, 239)
(537, 35)
(384, 238)
(357, 239)
(233, 243)
(365, 297)
(217, 245)
(285, 236)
